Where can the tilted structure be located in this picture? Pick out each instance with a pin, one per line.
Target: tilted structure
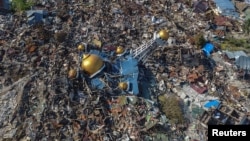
(116, 69)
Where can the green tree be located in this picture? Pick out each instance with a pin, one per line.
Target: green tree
(21, 5)
(246, 26)
(171, 106)
(199, 40)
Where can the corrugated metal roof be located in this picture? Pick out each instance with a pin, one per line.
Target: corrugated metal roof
(227, 8)
(235, 54)
(243, 62)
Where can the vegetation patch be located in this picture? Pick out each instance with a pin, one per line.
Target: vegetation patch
(233, 44)
(171, 106)
(21, 5)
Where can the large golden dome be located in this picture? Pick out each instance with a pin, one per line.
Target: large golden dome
(92, 64)
(164, 34)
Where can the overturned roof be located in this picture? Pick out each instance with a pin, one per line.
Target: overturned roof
(235, 54)
(243, 62)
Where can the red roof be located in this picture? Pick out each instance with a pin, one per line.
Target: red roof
(198, 88)
(222, 21)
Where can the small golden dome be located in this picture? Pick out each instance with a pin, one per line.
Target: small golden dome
(119, 50)
(164, 34)
(72, 73)
(81, 47)
(123, 85)
(91, 64)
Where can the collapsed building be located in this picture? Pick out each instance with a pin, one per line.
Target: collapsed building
(118, 67)
(222, 114)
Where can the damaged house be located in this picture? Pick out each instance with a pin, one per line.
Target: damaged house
(221, 114)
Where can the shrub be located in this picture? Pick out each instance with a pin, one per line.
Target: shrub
(21, 5)
(171, 106)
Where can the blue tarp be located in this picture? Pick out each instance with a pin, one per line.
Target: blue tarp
(208, 48)
(227, 8)
(212, 103)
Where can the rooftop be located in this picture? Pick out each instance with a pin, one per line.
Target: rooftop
(243, 62)
(235, 54)
(227, 8)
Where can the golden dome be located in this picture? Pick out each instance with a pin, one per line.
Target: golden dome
(123, 85)
(81, 47)
(119, 50)
(92, 64)
(164, 34)
(72, 73)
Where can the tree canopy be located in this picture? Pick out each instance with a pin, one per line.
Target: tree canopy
(21, 5)
(246, 26)
(172, 108)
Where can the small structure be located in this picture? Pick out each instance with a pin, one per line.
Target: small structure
(36, 16)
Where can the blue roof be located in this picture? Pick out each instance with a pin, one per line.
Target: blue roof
(125, 65)
(36, 16)
(130, 71)
(212, 103)
(227, 8)
(97, 83)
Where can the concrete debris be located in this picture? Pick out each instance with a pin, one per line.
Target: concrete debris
(105, 70)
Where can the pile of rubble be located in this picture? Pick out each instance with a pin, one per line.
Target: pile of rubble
(39, 102)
